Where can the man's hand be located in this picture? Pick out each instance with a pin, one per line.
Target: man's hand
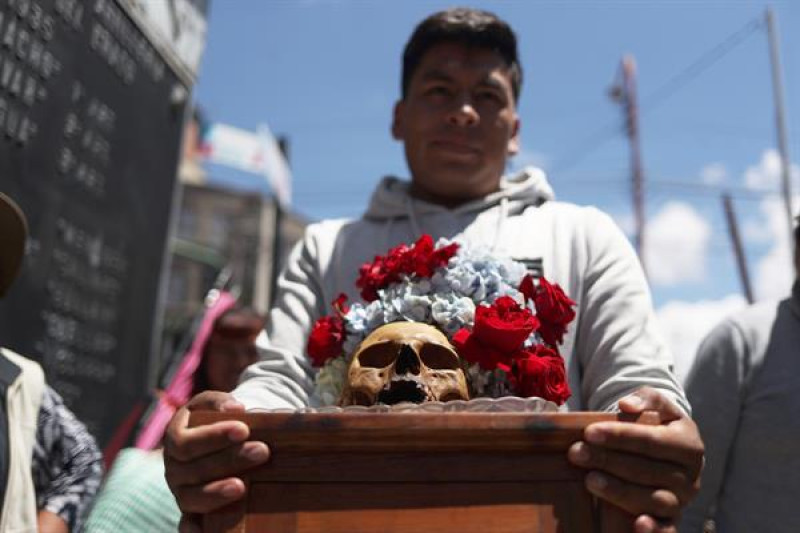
(202, 462)
(651, 472)
(48, 522)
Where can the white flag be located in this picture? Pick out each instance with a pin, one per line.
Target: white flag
(257, 153)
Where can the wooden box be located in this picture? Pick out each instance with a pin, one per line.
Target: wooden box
(417, 472)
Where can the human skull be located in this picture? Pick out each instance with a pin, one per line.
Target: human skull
(404, 362)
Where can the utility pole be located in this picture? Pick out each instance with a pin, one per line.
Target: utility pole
(624, 92)
(780, 119)
(278, 221)
(741, 262)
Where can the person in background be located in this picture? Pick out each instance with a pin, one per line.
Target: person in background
(50, 466)
(230, 349)
(457, 119)
(135, 496)
(744, 387)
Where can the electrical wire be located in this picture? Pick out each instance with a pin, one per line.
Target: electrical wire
(705, 61)
(701, 64)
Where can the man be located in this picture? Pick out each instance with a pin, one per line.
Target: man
(744, 387)
(135, 496)
(458, 123)
(50, 467)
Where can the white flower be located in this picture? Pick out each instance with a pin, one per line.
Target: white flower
(452, 312)
(421, 287)
(330, 380)
(478, 379)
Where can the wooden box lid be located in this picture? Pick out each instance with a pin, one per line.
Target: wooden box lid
(410, 472)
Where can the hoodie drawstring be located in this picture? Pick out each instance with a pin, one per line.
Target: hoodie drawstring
(502, 214)
(408, 203)
(411, 213)
(387, 233)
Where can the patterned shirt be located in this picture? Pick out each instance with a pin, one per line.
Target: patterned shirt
(135, 497)
(67, 465)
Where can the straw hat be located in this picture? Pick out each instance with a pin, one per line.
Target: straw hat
(13, 231)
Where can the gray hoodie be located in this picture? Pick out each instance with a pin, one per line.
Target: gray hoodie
(611, 349)
(745, 390)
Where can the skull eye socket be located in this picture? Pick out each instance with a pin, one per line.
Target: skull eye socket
(379, 355)
(439, 357)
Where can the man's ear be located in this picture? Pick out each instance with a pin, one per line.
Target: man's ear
(398, 126)
(513, 141)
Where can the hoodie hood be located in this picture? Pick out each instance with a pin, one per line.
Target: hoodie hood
(391, 198)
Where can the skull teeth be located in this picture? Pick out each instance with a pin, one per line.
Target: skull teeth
(407, 377)
(404, 389)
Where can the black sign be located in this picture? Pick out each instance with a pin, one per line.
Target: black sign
(90, 122)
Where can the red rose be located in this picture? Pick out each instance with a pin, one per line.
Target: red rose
(420, 259)
(554, 308)
(326, 340)
(441, 256)
(499, 331)
(527, 287)
(473, 350)
(340, 304)
(540, 372)
(419, 255)
(371, 277)
(398, 261)
(328, 334)
(504, 325)
(552, 304)
(381, 272)
(427, 260)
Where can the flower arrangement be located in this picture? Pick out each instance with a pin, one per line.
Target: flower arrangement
(505, 324)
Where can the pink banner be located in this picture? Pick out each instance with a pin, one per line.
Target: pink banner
(179, 389)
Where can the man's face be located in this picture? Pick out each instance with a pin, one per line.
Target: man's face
(458, 123)
(226, 359)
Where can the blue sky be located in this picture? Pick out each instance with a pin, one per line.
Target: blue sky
(326, 74)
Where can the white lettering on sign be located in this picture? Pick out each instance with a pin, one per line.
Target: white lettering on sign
(122, 30)
(15, 124)
(120, 61)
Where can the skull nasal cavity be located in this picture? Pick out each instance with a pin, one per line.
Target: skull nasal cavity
(407, 361)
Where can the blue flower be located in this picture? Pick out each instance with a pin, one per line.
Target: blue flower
(452, 312)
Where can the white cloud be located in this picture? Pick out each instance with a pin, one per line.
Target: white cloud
(685, 324)
(675, 245)
(677, 239)
(754, 231)
(774, 273)
(766, 175)
(713, 174)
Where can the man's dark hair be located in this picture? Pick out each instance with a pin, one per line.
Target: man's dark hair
(470, 27)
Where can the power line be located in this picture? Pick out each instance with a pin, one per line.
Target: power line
(606, 180)
(702, 63)
(689, 73)
(744, 193)
(588, 145)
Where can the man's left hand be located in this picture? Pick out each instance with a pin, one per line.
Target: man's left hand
(651, 472)
(48, 522)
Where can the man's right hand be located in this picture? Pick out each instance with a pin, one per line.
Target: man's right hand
(202, 462)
